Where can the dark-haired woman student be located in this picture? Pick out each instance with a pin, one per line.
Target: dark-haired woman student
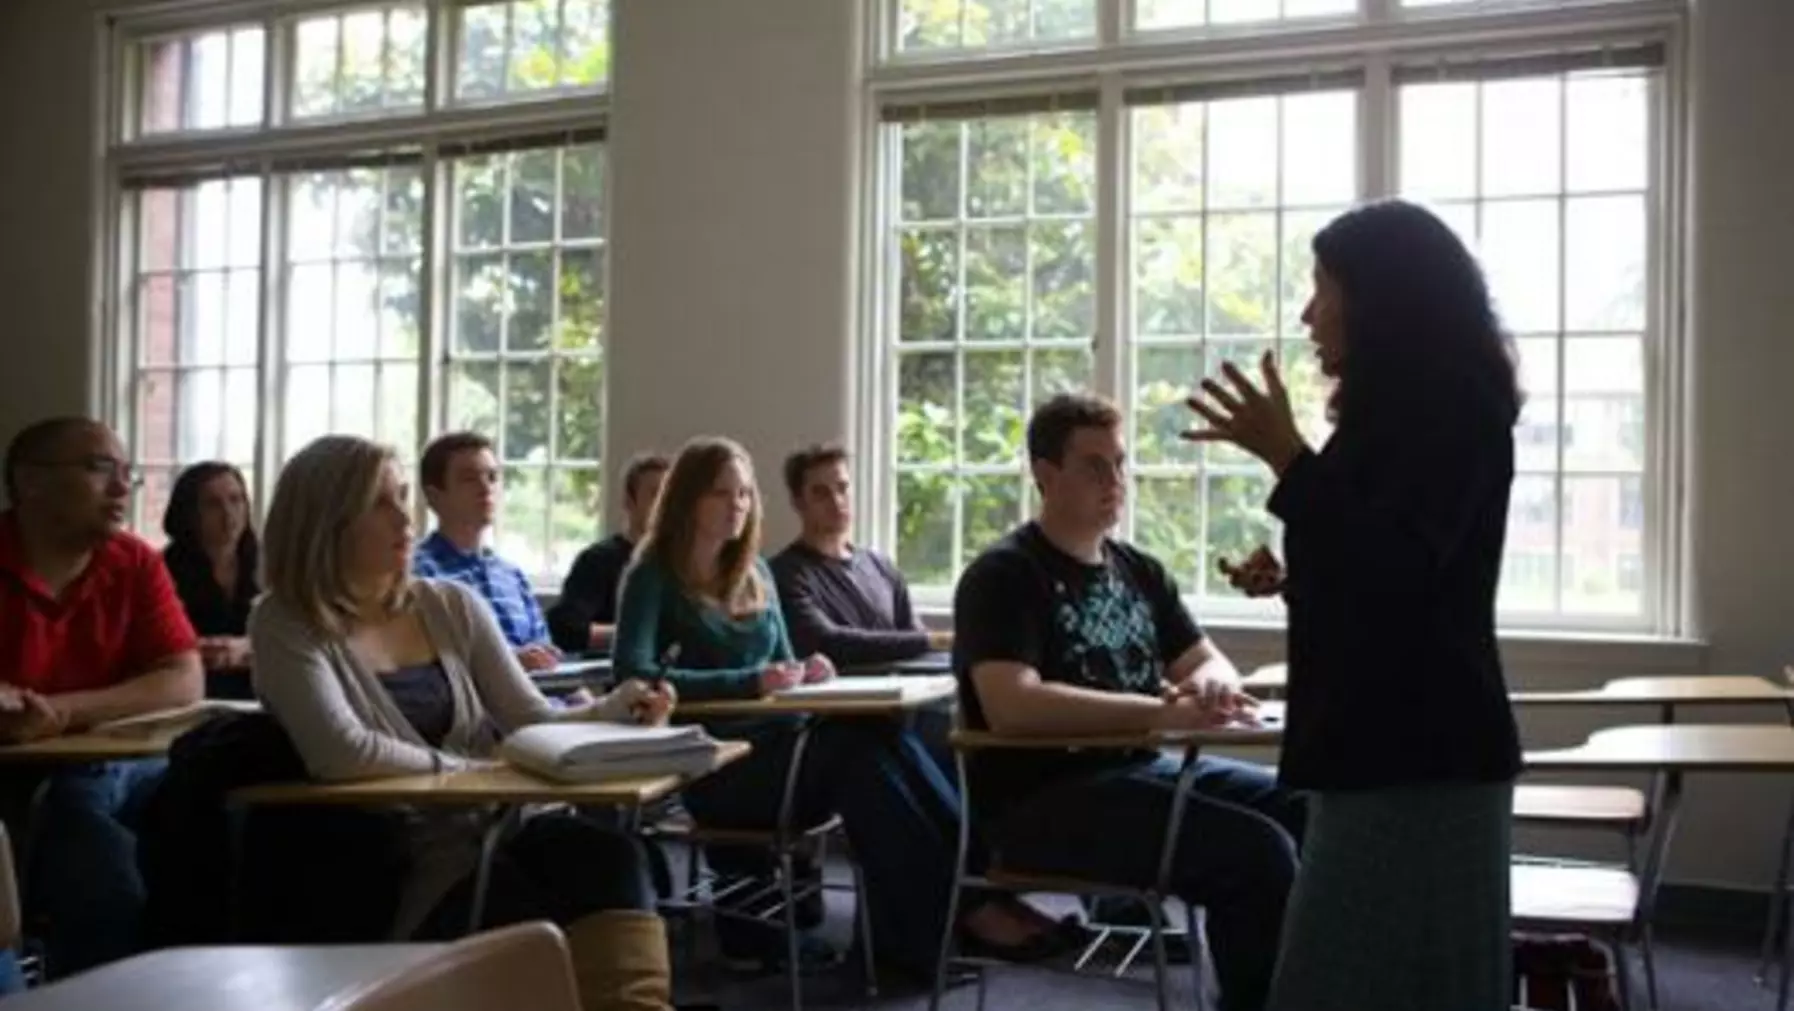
(212, 554)
(1398, 719)
(700, 610)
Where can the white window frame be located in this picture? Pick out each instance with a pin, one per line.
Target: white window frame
(1381, 34)
(433, 135)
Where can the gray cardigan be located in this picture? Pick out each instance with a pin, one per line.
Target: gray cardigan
(345, 726)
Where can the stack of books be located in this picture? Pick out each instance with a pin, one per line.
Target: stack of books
(599, 752)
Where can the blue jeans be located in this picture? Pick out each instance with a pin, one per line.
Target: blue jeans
(901, 817)
(1235, 854)
(12, 978)
(84, 880)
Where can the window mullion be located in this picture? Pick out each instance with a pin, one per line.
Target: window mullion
(1110, 365)
(270, 433)
(432, 317)
(1379, 129)
(441, 30)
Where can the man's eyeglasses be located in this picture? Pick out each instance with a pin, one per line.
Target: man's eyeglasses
(102, 468)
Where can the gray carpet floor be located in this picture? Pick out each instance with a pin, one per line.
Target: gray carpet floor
(1695, 973)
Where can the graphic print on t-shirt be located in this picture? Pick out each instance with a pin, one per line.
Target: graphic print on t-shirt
(1106, 635)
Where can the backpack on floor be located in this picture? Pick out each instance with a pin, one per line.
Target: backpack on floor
(1563, 972)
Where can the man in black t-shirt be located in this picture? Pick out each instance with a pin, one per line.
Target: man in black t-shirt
(586, 613)
(1061, 631)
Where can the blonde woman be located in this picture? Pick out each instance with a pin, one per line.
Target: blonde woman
(699, 610)
(373, 673)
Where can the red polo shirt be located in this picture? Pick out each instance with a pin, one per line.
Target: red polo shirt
(119, 618)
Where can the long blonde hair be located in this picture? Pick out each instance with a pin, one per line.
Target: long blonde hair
(674, 526)
(322, 491)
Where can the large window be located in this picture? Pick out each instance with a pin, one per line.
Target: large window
(1136, 207)
(384, 220)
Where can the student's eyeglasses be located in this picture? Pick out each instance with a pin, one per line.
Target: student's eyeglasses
(102, 468)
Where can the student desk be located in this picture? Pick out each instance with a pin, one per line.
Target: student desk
(83, 748)
(1669, 693)
(918, 692)
(499, 786)
(1670, 752)
(227, 979)
(1268, 682)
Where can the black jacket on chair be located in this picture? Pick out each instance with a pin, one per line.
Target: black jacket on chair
(306, 875)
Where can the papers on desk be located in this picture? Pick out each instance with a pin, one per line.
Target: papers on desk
(596, 752)
(869, 689)
(176, 720)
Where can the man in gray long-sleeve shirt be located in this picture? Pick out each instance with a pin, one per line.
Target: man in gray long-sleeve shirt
(847, 602)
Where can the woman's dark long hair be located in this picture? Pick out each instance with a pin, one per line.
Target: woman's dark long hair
(180, 520)
(1421, 332)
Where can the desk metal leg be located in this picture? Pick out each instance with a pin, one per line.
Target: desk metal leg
(959, 876)
(1669, 803)
(1161, 887)
(482, 875)
(783, 835)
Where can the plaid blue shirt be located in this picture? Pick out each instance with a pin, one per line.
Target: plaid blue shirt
(503, 584)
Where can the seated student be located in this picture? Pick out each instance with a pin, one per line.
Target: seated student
(460, 477)
(585, 616)
(699, 610)
(373, 674)
(212, 553)
(846, 602)
(90, 631)
(1061, 631)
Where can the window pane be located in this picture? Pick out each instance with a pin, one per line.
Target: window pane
(1438, 132)
(1603, 519)
(473, 397)
(995, 406)
(521, 533)
(925, 426)
(925, 527)
(1519, 252)
(1521, 133)
(1168, 524)
(1164, 378)
(1608, 132)
(946, 25)
(1064, 257)
(577, 505)
(362, 62)
(992, 507)
(205, 81)
(530, 48)
(1237, 523)
(1604, 276)
(1529, 567)
(1195, 13)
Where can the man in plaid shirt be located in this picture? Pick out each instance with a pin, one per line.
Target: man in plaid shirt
(460, 478)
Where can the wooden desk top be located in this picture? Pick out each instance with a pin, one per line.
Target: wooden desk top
(1680, 690)
(76, 749)
(979, 740)
(226, 979)
(1683, 747)
(1686, 690)
(918, 691)
(499, 784)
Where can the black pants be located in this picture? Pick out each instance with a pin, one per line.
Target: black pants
(560, 867)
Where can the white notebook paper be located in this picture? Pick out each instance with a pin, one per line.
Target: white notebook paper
(595, 752)
(855, 689)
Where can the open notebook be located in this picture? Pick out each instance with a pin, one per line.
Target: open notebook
(595, 752)
(885, 688)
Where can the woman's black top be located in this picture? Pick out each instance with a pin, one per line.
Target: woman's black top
(212, 610)
(1393, 541)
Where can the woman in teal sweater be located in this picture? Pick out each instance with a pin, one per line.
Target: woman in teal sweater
(698, 609)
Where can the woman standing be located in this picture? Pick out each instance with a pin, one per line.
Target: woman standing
(1398, 718)
(699, 609)
(212, 554)
(372, 673)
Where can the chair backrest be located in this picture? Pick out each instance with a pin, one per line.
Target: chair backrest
(9, 895)
(492, 971)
